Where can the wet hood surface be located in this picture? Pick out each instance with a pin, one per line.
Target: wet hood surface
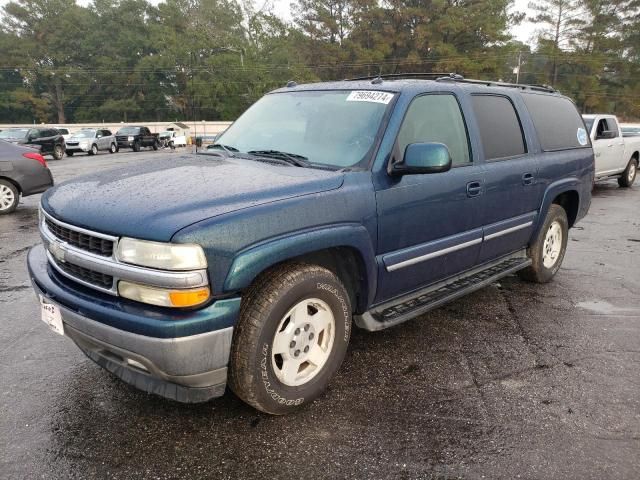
(155, 199)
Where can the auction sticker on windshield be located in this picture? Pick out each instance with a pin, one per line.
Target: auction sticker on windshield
(51, 315)
(369, 96)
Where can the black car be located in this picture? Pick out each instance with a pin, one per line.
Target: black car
(49, 140)
(23, 171)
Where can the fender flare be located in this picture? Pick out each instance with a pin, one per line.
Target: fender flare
(251, 261)
(553, 190)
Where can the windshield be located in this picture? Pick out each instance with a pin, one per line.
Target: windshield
(589, 123)
(128, 131)
(14, 133)
(85, 134)
(336, 128)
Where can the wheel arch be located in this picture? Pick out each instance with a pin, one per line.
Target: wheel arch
(566, 193)
(12, 182)
(346, 250)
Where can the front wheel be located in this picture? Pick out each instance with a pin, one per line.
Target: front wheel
(629, 174)
(547, 251)
(136, 147)
(58, 152)
(94, 150)
(291, 338)
(69, 154)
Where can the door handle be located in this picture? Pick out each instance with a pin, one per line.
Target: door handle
(527, 179)
(474, 189)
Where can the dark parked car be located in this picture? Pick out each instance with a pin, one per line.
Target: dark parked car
(49, 140)
(23, 171)
(136, 137)
(367, 202)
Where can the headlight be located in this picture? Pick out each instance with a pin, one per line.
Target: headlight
(163, 297)
(130, 138)
(165, 256)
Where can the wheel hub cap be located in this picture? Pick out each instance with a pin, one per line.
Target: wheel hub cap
(303, 342)
(552, 245)
(6, 197)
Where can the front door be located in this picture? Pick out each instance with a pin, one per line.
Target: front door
(608, 151)
(429, 225)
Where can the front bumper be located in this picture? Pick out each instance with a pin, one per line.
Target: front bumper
(78, 148)
(189, 365)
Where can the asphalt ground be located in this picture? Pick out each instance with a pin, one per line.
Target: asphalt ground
(514, 381)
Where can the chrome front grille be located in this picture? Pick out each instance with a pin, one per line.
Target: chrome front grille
(89, 258)
(82, 240)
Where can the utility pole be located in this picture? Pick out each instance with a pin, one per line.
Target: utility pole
(518, 67)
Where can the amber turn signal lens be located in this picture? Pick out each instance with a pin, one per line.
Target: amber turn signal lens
(188, 298)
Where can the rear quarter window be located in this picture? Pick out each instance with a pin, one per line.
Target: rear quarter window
(557, 122)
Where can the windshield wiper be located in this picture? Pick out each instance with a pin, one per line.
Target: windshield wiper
(227, 148)
(291, 158)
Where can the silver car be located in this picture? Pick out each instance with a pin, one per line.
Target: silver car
(91, 141)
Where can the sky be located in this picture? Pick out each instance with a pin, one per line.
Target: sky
(282, 8)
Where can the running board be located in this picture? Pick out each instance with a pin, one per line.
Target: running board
(405, 308)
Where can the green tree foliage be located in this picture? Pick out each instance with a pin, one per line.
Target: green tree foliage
(130, 60)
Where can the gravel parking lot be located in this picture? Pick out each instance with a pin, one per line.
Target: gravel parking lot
(514, 381)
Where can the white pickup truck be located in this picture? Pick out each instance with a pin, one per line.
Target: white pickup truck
(616, 156)
(170, 138)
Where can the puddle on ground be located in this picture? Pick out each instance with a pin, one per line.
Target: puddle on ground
(605, 308)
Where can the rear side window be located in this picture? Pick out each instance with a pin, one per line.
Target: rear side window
(436, 118)
(499, 127)
(558, 124)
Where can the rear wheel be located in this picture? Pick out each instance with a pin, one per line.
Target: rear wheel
(113, 148)
(547, 251)
(629, 175)
(155, 145)
(291, 338)
(9, 197)
(58, 152)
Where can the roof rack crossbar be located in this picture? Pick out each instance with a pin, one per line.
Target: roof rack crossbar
(491, 83)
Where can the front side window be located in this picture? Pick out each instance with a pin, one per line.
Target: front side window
(335, 128)
(436, 118)
(499, 127)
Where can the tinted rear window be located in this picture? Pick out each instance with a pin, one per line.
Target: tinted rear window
(499, 126)
(557, 122)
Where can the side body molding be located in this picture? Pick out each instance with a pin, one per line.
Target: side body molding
(249, 262)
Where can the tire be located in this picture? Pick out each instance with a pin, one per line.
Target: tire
(69, 154)
(113, 148)
(629, 175)
(257, 374)
(546, 265)
(9, 197)
(94, 150)
(58, 152)
(155, 145)
(172, 146)
(136, 147)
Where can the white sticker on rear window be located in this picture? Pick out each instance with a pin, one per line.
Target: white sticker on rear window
(369, 96)
(582, 136)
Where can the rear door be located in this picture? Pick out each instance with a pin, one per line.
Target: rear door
(430, 225)
(511, 174)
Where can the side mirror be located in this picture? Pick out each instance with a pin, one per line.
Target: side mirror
(423, 158)
(606, 134)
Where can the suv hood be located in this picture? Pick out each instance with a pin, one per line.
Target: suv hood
(155, 199)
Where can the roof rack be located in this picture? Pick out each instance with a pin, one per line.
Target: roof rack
(400, 76)
(490, 83)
